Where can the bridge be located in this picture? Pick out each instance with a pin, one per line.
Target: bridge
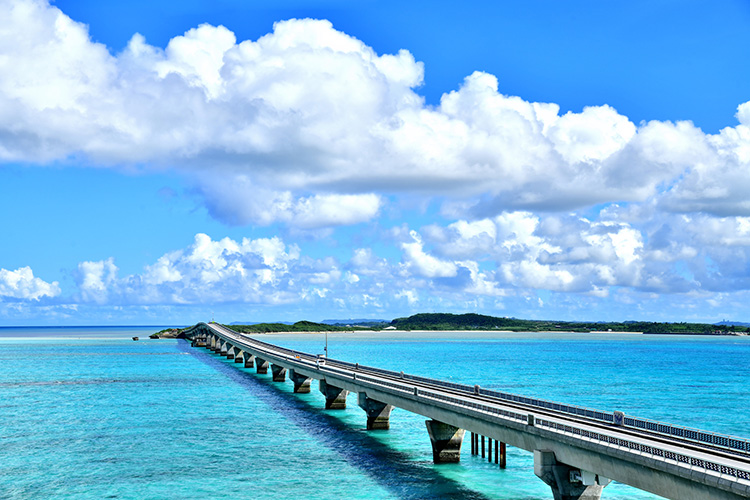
(577, 451)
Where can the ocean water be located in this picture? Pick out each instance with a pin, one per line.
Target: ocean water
(90, 414)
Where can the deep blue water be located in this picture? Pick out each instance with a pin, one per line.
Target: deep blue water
(90, 414)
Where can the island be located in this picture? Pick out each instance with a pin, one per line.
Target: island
(479, 322)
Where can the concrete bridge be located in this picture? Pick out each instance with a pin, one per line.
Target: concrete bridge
(577, 451)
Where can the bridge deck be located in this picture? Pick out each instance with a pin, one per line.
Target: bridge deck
(668, 465)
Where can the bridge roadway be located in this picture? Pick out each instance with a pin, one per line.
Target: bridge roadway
(576, 451)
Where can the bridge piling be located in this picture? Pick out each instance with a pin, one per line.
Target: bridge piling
(567, 483)
(230, 351)
(249, 360)
(240, 356)
(335, 396)
(278, 372)
(501, 459)
(301, 382)
(261, 366)
(378, 414)
(446, 441)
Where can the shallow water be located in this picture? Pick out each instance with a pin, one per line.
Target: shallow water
(96, 415)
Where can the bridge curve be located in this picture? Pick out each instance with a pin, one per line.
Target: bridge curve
(577, 451)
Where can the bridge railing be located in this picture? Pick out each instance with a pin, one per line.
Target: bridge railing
(651, 450)
(726, 442)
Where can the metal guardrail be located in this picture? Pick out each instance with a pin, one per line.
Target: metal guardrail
(651, 450)
(720, 440)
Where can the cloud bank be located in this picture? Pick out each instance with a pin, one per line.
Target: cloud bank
(308, 127)
(308, 123)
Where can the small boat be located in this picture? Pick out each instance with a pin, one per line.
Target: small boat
(135, 338)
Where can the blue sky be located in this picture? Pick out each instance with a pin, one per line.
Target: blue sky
(164, 162)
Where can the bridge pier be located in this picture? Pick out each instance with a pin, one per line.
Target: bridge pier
(335, 397)
(249, 360)
(261, 365)
(230, 351)
(223, 348)
(567, 483)
(278, 372)
(378, 414)
(446, 442)
(301, 382)
(240, 356)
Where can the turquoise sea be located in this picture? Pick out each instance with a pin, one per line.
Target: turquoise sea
(89, 414)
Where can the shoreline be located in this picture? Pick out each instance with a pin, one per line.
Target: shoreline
(377, 332)
(473, 332)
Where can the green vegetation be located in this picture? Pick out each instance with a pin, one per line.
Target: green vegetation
(444, 321)
(458, 322)
(300, 326)
(168, 333)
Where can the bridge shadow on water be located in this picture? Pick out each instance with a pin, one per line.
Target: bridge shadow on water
(393, 470)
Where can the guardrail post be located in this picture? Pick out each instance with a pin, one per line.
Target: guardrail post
(446, 441)
(619, 418)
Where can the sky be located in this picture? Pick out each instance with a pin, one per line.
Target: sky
(173, 162)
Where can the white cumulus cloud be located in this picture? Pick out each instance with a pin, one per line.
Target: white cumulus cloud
(21, 284)
(310, 127)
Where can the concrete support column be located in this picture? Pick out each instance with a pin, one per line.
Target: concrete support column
(301, 382)
(378, 414)
(261, 365)
(446, 441)
(335, 397)
(501, 458)
(230, 351)
(240, 356)
(249, 360)
(279, 373)
(223, 348)
(567, 483)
